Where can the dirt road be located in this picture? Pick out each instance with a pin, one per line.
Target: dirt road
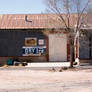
(26, 80)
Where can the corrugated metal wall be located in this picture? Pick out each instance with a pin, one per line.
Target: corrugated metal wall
(12, 41)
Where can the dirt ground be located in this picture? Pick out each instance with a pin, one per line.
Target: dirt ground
(27, 80)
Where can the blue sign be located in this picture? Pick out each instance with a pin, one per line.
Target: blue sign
(27, 51)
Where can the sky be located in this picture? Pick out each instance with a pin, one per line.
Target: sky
(22, 6)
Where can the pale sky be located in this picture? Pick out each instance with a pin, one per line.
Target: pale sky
(21, 6)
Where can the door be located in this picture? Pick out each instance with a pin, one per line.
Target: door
(57, 47)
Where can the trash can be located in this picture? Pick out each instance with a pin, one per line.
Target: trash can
(10, 62)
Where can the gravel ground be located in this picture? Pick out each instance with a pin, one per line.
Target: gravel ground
(27, 80)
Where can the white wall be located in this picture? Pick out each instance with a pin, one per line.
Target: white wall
(57, 47)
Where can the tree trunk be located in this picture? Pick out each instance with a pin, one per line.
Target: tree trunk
(71, 52)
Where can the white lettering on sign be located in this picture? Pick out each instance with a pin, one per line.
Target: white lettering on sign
(33, 50)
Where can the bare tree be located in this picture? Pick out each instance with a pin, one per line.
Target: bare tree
(65, 10)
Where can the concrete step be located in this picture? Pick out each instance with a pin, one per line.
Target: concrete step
(50, 64)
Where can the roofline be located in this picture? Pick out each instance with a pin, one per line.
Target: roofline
(32, 28)
(35, 14)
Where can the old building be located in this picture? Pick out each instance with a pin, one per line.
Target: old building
(27, 37)
(83, 41)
